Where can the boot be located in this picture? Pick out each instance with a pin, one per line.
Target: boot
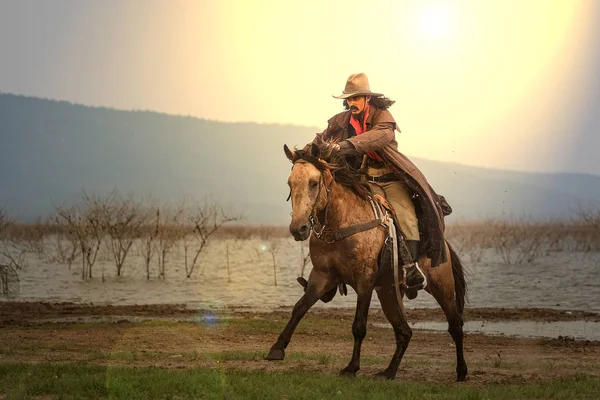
(415, 279)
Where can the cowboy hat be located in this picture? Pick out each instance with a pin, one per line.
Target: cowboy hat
(357, 85)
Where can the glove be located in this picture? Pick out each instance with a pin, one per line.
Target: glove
(345, 145)
(342, 146)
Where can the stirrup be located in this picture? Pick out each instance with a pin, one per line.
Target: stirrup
(418, 269)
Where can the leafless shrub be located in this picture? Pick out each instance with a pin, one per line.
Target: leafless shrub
(62, 244)
(31, 237)
(9, 281)
(589, 216)
(556, 236)
(471, 238)
(252, 231)
(12, 256)
(517, 242)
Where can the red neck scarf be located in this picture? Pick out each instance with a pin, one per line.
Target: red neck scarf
(362, 129)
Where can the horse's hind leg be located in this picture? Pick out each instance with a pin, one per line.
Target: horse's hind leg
(394, 312)
(318, 284)
(443, 290)
(359, 329)
(455, 328)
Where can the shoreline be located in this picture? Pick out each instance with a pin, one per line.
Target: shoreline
(168, 337)
(22, 312)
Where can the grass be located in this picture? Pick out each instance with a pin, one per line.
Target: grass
(24, 381)
(333, 328)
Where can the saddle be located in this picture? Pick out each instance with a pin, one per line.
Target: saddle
(386, 255)
(393, 255)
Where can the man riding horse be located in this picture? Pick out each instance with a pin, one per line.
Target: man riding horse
(367, 127)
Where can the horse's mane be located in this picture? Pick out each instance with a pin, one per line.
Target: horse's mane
(337, 162)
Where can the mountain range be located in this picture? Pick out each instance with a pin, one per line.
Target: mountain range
(52, 150)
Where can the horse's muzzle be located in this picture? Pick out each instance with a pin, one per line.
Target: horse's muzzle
(300, 232)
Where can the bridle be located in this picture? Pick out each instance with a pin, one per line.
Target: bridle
(312, 218)
(329, 237)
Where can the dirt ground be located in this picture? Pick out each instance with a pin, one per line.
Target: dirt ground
(237, 339)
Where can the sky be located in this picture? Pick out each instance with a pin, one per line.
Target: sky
(505, 84)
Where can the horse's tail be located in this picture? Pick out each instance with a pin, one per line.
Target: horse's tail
(460, 281)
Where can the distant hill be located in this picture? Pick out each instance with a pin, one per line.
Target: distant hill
(51, 150)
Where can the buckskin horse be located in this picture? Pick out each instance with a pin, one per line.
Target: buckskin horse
(329, 196)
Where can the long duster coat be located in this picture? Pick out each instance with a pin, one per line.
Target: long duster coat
(380, 138)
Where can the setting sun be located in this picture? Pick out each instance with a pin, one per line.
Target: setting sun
(435, 22)
(467, 76)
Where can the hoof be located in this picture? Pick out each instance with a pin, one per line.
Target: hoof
(384, 375)
(461, 374)
(275, 355)
(348, 372)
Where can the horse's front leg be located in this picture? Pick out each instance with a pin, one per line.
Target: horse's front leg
(318, 284)
(359, 329)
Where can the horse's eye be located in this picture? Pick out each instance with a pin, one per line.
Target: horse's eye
(313, 184)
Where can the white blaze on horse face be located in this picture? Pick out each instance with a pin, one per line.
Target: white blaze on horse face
(304, 182)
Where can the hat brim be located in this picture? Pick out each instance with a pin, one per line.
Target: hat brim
(345, 95)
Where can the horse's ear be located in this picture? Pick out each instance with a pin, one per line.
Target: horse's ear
(289, 153)
(315, 150)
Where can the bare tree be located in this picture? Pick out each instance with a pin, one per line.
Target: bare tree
(150, 228)
(235, 244)
(9, 280)
(273, 247)
(63, 245)
(206, 220)
(77, 232)
(94, 224)
(85, 227)
(121, 221)
(11, 256)
(168, 224)
(11, 253)
(186, 233)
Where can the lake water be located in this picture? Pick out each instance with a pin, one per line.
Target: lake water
(578, 330)
(560, 281)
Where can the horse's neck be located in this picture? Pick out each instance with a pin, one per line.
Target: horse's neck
(346, 206)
